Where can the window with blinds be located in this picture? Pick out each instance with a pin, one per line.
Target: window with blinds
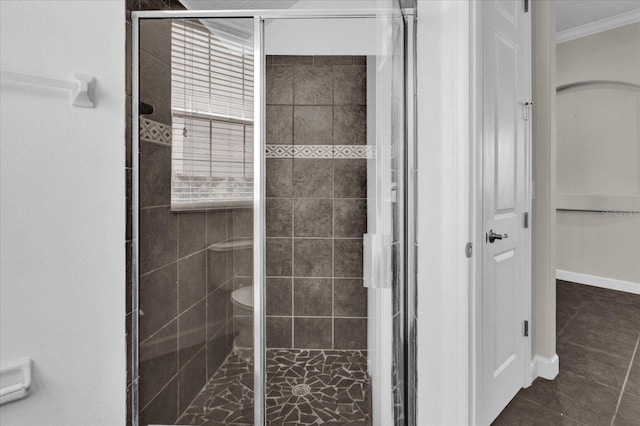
(212, 118)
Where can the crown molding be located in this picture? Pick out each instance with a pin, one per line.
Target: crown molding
(610, 23)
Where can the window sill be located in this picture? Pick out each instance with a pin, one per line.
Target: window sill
(211, 205)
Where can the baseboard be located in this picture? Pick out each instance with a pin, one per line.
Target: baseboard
(593, 280)
(547, 368)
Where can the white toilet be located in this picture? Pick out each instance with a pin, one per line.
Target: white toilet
(242, 300)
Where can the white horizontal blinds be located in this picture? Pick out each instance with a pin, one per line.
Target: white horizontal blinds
(212, 105)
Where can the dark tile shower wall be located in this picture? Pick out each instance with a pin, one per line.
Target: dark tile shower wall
(316, 201)
(131, 5)
(186, 327)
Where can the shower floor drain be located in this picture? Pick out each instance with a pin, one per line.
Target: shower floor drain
(300, 390)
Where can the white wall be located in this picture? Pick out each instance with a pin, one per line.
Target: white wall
(443, 211)
(599, 157)
(543, 283)
(62, 279)
(321, 37)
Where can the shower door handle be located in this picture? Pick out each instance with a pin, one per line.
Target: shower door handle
(376, 260)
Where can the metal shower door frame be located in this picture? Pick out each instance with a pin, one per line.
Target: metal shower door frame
(259, 207)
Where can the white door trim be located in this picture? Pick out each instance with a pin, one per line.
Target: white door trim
(443, 209)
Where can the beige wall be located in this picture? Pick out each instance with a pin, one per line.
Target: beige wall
(598, 156)
(544, 215)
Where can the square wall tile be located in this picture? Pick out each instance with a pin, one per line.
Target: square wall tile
(278, 257)
(279, 332)
(218, 347)
(312, 178)
(217, 226)
(312, 297)
(348, 258)
(242, 223)
(350, 85)
(218, 311)
(279, 178)
(158, 361)
(192, 233)
(192, 378)
(349, 218)
(192, 280)
(158, 238)
(350, 178)
(279, 212)
(158, 299)
(313, 217)
(279, 299)
(313, 125)
(192, 329)
(279, 85)
(349, 298)
(312, 333)
(155, 174)
(155, 87)
(350, 333)
(243, 331)
(313, 85)
(279, 124)
(155, 39)
(164, 408)
(219, 268)
(349, 125)
(312, 257)
(243, 262)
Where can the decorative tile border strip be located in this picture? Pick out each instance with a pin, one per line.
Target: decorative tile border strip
(153, 131)
(320, 151)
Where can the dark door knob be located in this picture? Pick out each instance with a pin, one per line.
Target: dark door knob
(492, 236)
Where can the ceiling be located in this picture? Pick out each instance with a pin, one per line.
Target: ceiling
(570, 13)
(573, 13)
(280, 4)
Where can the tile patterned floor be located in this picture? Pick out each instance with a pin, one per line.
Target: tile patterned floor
(598, 334)
(304, 387)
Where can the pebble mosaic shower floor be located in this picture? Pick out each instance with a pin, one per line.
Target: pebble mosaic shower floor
(304, 387)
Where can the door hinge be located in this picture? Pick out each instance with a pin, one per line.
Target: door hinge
(468, 250)
(526, 110)
(526, 6)
(526, 328)
(526, 220)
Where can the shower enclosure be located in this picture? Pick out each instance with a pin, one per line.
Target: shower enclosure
(273, 175)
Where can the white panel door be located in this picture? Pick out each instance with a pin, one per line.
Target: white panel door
(506, 256)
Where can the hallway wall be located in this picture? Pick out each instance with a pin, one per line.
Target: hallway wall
(599, 157)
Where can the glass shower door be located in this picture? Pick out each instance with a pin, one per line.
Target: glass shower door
(334, 128)
(269, 218)
(194, 197)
